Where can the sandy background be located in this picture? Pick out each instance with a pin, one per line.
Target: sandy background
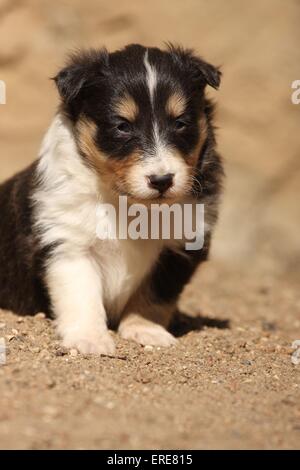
(230, 383)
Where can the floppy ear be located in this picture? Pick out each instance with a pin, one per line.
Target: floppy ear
(200, 72)
(70, 81)
(82, 71)
(211, 74)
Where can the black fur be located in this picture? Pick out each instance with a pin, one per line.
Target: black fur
(21, 259)
(173, 271)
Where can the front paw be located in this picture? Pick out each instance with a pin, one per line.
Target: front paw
(90, 343)
(147, 334)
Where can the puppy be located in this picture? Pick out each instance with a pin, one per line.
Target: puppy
(135, 123)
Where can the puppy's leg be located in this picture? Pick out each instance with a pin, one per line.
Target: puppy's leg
(75, 291)
(145, 322)
(149, 312)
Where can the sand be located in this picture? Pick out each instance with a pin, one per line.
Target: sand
(230, 382)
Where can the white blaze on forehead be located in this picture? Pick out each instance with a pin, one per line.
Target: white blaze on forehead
(159, 149)
(162, 161)
(151, 76)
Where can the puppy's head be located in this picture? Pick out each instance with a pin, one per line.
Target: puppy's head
(139, 116)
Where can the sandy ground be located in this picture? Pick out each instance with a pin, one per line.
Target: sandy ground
(230, 382)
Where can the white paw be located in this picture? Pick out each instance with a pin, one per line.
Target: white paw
(90, 343)
(152, 334)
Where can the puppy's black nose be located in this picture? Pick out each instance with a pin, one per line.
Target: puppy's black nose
(161, 182)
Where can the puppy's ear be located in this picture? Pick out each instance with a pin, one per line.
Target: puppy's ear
(70, 81)
(210, 73)
(199, 71)
(84, 69)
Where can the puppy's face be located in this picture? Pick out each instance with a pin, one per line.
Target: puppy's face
(139, 117)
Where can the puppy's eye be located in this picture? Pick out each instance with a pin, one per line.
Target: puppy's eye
(179, 124)
(124, 127)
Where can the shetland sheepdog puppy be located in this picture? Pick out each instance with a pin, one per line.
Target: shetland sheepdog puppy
(135, 123)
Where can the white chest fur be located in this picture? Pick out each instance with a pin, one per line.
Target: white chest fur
(123, 265)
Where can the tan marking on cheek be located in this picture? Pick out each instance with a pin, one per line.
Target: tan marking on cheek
(176, 105)
(86, 133)
(111, 170)
(127, 108)
(121, 169)
(193, 157)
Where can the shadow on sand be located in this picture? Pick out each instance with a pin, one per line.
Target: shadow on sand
(183, 323)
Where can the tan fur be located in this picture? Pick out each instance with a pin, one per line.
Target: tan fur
(176, 105)
(86, 133)
(193, 157)
(112, 171)
(127, 108)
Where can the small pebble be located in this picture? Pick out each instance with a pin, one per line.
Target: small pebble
(50, 383)
(10, 337)
(14, 332)
(40, 316)
(264, 339)
(61, 352)
(239, 328)
(148, 347)
(248, 381)
(269, 326)
(73, 352)
(44, 353)
(246, 362)
(144, 378)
